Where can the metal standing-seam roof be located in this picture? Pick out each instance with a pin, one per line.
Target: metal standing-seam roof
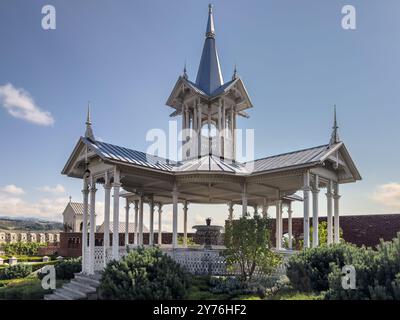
(290, 159)
(211, 163)
(113, 152)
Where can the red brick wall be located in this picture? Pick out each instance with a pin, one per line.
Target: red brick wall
(358, 229)
(71, 242)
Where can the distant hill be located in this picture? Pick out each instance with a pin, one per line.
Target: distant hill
(28, 224)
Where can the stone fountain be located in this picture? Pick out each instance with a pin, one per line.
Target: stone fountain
(208, 235)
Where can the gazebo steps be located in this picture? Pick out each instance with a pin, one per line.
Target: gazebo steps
(82, 287)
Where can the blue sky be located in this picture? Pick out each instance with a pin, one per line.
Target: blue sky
(125, 56)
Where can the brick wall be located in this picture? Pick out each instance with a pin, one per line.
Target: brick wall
(71, 242)
(358, 229)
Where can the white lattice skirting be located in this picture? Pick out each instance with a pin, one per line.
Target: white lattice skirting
(196, 261)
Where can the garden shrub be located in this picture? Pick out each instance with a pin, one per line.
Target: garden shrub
(377, 274)
(16, 271)
(38, 265)
(309, 269)
(144, 274)
(65, 269)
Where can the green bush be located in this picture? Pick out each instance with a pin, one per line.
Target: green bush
(377, 274)
(22, 248)
(309, 269)
(144, 274)
(17, 271)
(39, 265)
(65, 269)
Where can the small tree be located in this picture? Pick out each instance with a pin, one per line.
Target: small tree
(323, 233)
(249, 246)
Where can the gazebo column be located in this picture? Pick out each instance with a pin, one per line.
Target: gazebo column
(199, 124)
(244, 199)
(278, 231)
(175, 216)
(315, 194)
(92, 223)
(219, 138)
(265, 208)
(336, 198)
(135, 237)
(141, 203)
(290, 225)
(185, 211)
(255, 207)
(230, 210)
(223, 123)
(329, 196)
(85, 192)
(106, 240)
(306, 205)
(160, 224)
(151, 221)
(115, 243)
(127, 222)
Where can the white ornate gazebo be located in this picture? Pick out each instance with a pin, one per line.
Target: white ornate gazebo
(208, 172)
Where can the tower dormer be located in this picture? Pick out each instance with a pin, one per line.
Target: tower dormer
(209, 103)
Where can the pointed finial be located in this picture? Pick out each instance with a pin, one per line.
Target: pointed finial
(234, 76)
(210, 32)
(70, 199)
(88, 120)
(335, 135)
(89, 132)
(184, 71)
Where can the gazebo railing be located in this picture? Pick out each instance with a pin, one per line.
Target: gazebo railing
(197, 261)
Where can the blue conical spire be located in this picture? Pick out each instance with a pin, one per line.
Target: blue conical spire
(209, 75)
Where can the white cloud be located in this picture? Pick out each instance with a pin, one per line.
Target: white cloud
(55, 190)
(12, 189)
(388, 195)
(50, 209)
(20, 104)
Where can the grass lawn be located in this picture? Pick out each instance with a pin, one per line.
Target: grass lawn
(295, 295)
(28, 288)
(200, 290)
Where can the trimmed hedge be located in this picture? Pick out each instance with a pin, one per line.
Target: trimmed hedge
(16, 271)
(65, 269)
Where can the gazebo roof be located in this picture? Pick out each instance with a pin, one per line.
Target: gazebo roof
(213, 164)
